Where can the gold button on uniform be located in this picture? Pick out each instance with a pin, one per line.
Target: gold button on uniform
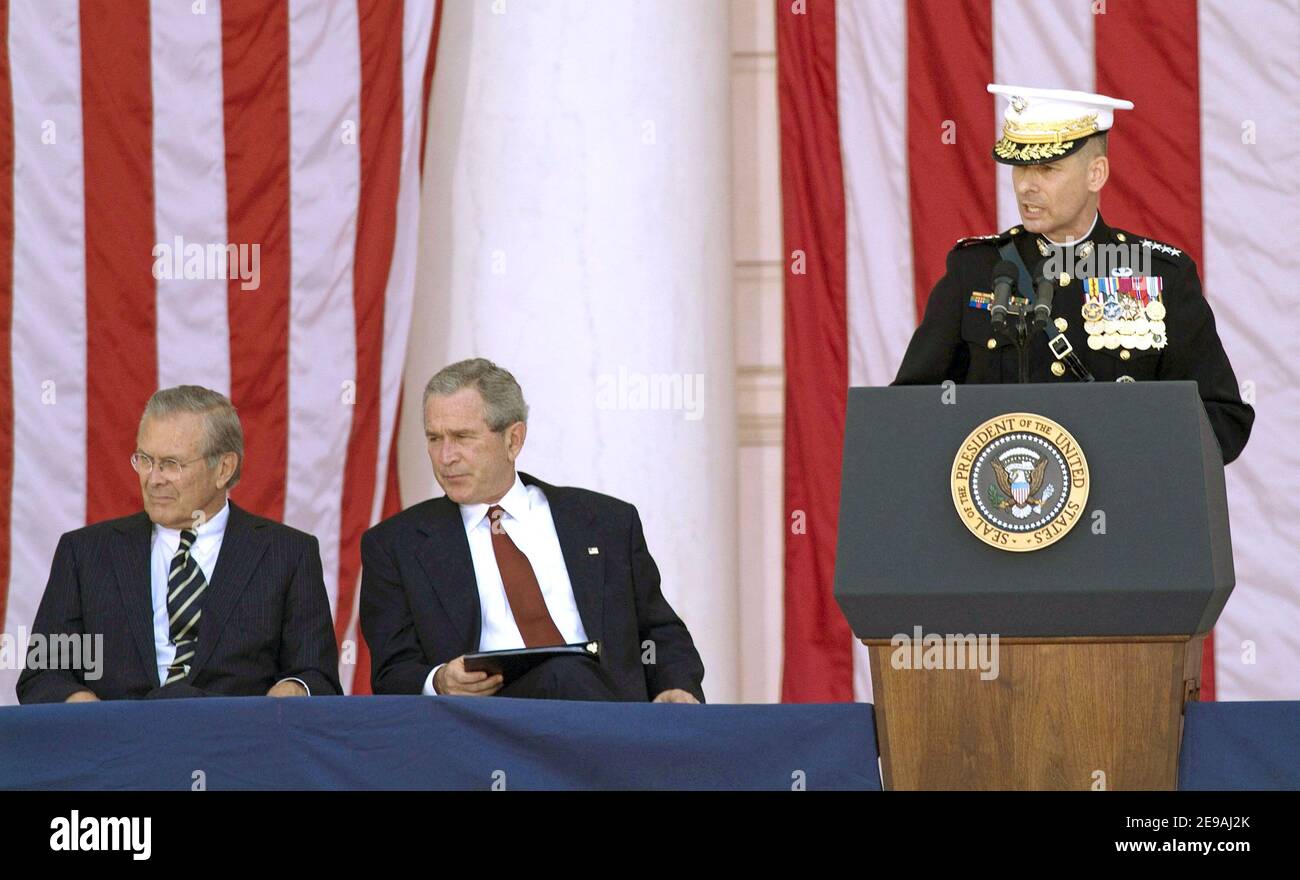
(1125, 355)
(1065, 279)
(1058, 369)
(1121, 236)
(992, 344)
(1061, 325)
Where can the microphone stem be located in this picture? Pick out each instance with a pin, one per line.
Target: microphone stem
(1022, 354)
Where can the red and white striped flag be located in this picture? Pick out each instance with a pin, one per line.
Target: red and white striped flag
(137, 141)
(874, 196)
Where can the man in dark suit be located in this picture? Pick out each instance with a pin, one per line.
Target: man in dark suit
(505, 561)
(192, 596)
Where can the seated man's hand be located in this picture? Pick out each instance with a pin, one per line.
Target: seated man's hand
(82, 697)
(452, 679)
(287, 688)
(676, 695)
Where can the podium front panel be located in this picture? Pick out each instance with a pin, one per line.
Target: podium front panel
(1150, 554)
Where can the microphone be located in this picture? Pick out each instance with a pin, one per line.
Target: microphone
(1004, 280)
(1044, 293)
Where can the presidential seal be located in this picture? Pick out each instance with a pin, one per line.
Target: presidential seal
(1020, 482)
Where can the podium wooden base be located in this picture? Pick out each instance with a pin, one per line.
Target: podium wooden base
(1062, 714)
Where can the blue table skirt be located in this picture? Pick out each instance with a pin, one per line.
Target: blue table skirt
(435, 743)
(1240, 746)
(466, 743)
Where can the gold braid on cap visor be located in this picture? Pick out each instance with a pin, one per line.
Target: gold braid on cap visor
(1043, 140)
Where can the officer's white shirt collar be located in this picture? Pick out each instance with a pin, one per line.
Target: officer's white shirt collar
(515, 503)
(1083, 237)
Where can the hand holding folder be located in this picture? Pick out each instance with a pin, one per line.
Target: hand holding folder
(514, 662)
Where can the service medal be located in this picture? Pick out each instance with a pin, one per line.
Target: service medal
(1109, 290)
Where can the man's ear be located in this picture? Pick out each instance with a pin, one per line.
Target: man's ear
(226, 469)
(515, 435)
(1098, 173)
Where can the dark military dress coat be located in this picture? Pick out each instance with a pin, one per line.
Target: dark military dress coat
(955, 340)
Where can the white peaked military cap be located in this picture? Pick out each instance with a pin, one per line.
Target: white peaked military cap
(1043, 125)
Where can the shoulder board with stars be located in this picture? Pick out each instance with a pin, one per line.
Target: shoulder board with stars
(987, 239)
(1157, 248)
(1161, 247)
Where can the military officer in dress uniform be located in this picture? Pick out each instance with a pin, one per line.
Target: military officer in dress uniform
(1124, 307)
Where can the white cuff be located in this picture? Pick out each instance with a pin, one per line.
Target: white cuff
(300, 681)
(428, 690)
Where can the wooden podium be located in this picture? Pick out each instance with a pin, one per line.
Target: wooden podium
(1064, 714)
(1099, 635)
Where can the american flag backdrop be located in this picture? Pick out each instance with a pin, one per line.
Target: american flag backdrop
(137, 140)
(874, 196)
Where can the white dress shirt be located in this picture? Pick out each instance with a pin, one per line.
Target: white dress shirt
(205, 550)
(528, 522)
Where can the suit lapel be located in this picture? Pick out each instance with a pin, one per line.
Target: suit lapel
(574, 526)
(131, 569)
(443, 551)
(242, 547)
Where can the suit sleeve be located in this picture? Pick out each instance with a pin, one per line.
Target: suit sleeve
(307, 647)
(1196, 352)
(59, 614)
(398, 664)
(676, 662)
(937, 352)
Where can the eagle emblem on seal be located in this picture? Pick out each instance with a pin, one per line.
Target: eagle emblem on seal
(1020, 477)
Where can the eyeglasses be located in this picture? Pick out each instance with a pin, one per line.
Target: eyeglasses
(170, 468)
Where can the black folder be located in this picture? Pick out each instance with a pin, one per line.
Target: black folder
(514, 662)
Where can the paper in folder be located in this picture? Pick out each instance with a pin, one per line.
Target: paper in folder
(515, 662)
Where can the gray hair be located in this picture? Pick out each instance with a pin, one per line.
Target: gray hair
(221, 429)
(503, 399)
(1096, 145)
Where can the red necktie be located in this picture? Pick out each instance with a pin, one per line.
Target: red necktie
(522, 591)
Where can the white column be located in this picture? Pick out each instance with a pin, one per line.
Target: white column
(576, 229)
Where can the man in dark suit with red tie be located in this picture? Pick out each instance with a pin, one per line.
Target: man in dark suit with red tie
(505, 561)
(192, 596)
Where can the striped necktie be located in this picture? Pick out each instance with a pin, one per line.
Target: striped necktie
(185, 586)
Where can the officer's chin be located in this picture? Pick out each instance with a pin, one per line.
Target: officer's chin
(1035, 224)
